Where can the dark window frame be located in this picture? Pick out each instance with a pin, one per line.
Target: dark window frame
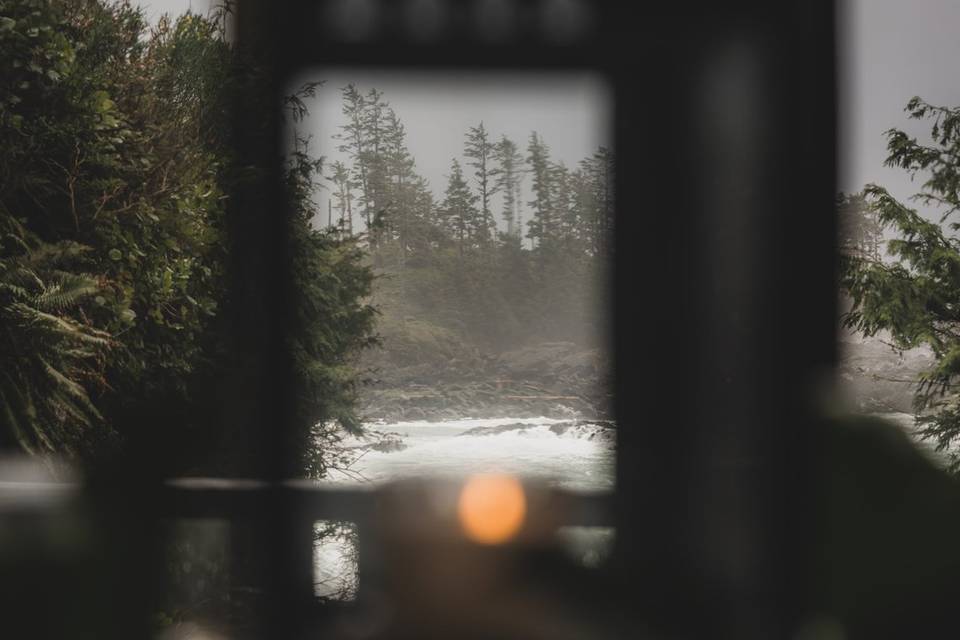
(724, 309)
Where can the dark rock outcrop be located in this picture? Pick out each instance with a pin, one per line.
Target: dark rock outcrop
(554, 379)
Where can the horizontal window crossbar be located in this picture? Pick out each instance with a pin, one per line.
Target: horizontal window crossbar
(243, 498)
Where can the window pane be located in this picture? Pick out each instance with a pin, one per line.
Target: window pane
(335, 560)
(482, 204)
(589, 547)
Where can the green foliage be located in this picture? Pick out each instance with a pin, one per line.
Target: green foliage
(443, 264)
(479, 153)
(507, 178)
(117, 165)
(459, 211)
(914, 294)
(105, 154)
(543, 177)
(51, 353)
(331, 321)
(861, 233)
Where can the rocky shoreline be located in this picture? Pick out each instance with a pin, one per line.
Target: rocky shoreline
(472, 399)
(600, 430)
(874, 378)
(565, 381)
(555, 380)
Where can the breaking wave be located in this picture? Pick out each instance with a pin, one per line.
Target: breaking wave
(568, 453)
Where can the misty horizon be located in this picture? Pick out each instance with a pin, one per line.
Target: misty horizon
(571, 111)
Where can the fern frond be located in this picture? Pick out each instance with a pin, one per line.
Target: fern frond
(65, 384)
(69, 290)
(16, 291)
(24, 277)
(14, 423)
(64, 327)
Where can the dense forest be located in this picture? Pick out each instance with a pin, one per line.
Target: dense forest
(474, 270)
(117, 176)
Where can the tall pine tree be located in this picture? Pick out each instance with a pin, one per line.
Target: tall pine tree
(343, 194)
(538, 159)
(507, 180)
(479, 153)
(459, 208)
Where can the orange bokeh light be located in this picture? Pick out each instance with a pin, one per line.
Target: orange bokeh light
(492, 508)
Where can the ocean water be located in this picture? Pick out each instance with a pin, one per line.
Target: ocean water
(577, 457)
(561, 453)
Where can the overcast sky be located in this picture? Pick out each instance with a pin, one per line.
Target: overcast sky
(889, 51)
(155, 8)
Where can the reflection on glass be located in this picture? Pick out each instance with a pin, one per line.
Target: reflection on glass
(198, 591)
(335, 560)
(589, 547)
(491, 508)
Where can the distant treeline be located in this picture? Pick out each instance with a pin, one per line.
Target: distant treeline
(480, 260)
(117, 174)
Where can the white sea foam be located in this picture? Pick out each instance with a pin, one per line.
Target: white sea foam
(574, 457)
(579, 457)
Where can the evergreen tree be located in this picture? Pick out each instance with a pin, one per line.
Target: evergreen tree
(861, 232)
(540, 228)
(399, 175)
(567, 221)
(343, 193)
(353, 142)
(507, 180)
(546, 290)
(424, 234)
(602, 174)
(582, 208)
(374, 158)
(459, 208)
(479, 151)
(914, 292)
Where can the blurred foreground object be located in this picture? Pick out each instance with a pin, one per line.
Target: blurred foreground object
(63, 573)
(492, 508)
(479, 558)
(889, 555)
(888, 566)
